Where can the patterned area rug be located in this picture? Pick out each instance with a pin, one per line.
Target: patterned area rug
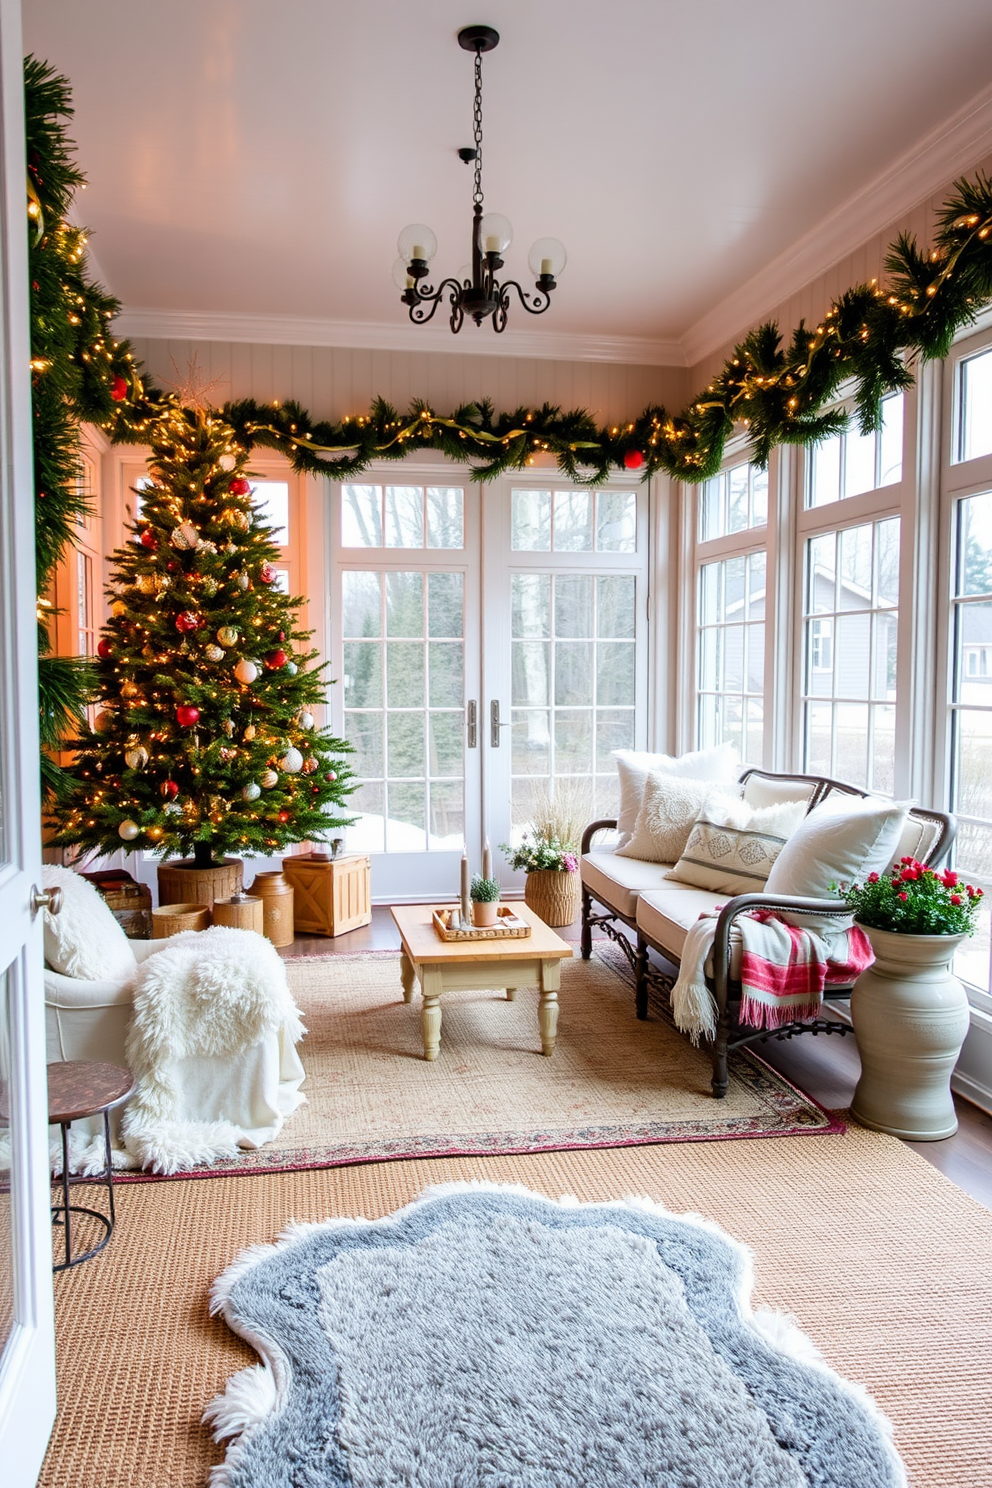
(526, 1374)
(612, 1081)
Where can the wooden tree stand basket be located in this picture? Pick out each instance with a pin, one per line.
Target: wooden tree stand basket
(180, 883)
(553, 895)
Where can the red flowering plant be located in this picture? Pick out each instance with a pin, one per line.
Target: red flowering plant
(912, 899)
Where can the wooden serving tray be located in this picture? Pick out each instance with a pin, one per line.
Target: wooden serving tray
(510, 926)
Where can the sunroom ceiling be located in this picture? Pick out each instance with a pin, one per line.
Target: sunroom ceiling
(256, 159)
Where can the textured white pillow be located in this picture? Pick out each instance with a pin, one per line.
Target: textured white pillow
(760, 790)
(732, 845)
(84, 940)
(668, 810)
(840, 841)
(721, 764)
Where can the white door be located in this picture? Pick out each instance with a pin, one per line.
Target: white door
(491, 645)
(27, 1351)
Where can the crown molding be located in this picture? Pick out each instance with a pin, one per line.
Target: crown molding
(926, 168)
(288, 330)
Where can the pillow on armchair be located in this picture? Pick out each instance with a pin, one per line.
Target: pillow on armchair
(84, 940)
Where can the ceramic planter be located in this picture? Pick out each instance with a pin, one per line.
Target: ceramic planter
(484, 912)
(910, 1016)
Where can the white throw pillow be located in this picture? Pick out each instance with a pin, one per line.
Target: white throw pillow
(721, 764)
(84, 940)
(762, 790)
(840, 841)
(732, 846)
(668, 811)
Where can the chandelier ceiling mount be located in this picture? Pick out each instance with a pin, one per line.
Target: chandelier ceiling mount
(475, 292)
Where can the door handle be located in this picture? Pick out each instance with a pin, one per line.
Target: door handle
(50, 899)
(472, 722)
(495, 723)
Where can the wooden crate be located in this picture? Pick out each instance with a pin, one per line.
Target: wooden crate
(129, 902)
(331, 895)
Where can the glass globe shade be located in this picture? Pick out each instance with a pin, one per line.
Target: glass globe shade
(416, 241)
(496, 233)
(547, 256)
(401, 278)
(464, 275)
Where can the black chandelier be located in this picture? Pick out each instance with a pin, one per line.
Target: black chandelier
(476, 291)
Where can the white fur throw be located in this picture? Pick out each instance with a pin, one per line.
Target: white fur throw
(211, 1045)
(84, 940)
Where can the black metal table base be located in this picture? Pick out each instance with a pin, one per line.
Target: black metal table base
(61, 1212)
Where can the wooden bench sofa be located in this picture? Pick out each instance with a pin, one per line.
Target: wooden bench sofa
(619, 892)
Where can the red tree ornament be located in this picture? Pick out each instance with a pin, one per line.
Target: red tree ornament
(169, 789)
(187, 715)
(633, 460)
(275, 660)
(105, 650)
(267, 574)
(188, 621)
(148, 540)
(118, 389)
(284, 816)
(239, 486)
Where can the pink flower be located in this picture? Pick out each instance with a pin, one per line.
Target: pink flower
(955, 898)
(873, 878)
(909, 874)
(571, 862)
(902, 896)
(949, 879)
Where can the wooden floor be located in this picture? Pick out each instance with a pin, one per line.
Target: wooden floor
(826, 1067)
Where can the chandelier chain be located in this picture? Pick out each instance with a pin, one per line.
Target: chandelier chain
(477, 118)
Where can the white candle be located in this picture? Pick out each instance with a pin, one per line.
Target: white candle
(547, 266)
(492, 245)
(487, 860)
(418, 252)
(466, 911)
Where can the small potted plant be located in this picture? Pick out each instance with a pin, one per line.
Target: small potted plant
(552, 886)
(910, 1012)
(485, 897)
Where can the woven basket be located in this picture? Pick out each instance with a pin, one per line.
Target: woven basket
(172, 919)
(553, 895)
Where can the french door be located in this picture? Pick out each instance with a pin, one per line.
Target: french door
(27, 1354)
(490, 644)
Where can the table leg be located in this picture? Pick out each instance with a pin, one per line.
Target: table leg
(407, 976)
(547, 1013)
(511, 994)
(430, 1017)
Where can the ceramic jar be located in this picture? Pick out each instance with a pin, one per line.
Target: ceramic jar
(484, 915)
(276, 894)
(910, 1017)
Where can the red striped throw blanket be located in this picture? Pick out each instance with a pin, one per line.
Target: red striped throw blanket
(783, 971)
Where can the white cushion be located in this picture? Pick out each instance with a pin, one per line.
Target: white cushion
(665, 915)
(732, 845)
(617, 881)
(721, 764)
(841, 841)
(917, 838)
(84, 940)
(669, 808)
(765, 790)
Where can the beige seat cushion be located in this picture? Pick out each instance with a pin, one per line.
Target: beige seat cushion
(666, 915)
(617, 881)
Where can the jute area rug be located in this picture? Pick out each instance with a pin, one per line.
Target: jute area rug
(611, 1081)
(881, 1260)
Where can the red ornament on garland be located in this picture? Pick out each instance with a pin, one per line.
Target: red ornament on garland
(148, 540)
(187, 715)
(105, 650)
(633, 460)
(169, 789)
(267, 574)
(118, 389)
(188, 621)
(239, 486)
(275, 660)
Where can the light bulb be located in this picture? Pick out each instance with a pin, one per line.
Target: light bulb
(547, 256)
(416, 241)
(496, 233)
(401, 278)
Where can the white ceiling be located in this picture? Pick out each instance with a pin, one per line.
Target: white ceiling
(259, 159)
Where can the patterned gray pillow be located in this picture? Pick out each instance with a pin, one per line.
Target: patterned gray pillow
(731, 846)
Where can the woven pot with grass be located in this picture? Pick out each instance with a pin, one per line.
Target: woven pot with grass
(552, 888)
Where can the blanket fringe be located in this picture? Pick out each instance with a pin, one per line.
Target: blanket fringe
(694, 1008)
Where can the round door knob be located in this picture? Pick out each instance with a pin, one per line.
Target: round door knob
(50, 899)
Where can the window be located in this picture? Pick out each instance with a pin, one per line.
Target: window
(852, 463)
(974, 421)
(733, 501)
(732, 654)
(851, 624)
(402, 516)
(573, 521)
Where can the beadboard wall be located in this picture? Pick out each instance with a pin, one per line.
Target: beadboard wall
(334, 381)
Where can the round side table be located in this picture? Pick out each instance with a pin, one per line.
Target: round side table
(77, 1088)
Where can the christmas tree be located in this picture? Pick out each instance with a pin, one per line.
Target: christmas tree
(205, 738)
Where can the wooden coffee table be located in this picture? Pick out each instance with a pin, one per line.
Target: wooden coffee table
(463, 966)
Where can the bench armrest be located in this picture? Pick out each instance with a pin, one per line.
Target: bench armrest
(742, 904)
(605, 824)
